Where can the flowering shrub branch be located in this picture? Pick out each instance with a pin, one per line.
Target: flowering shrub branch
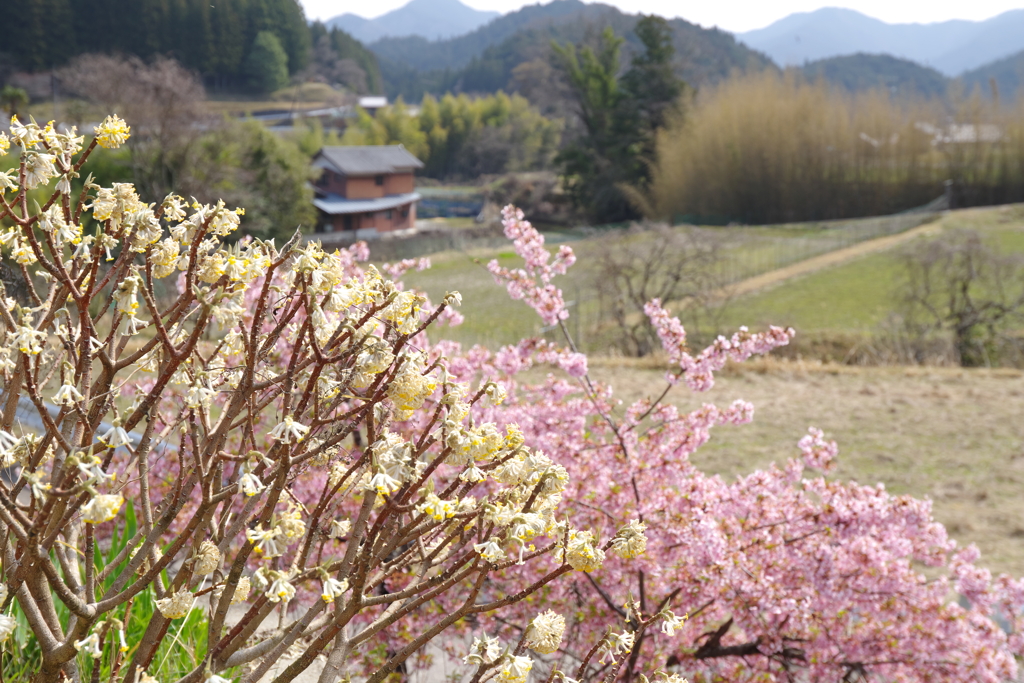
(319, 478)
(781, 574)
(230, 414)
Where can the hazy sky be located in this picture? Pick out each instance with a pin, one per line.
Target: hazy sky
(731, 15)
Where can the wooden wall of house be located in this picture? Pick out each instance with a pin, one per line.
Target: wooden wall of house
(399, 183)
(357, 187)
(366, 187)
(381, 221)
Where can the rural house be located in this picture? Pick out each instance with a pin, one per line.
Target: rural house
(365, 191)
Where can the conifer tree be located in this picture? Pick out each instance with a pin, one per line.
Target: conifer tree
(267, 65)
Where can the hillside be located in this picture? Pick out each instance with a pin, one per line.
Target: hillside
(1008, 74)
(430, 19)
(213, 39)
(483, 61)
(951, 47)
(425, 55)
(861, 71)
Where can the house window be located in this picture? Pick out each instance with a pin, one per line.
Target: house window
(379, 180)
(348, 221)
(387, 214)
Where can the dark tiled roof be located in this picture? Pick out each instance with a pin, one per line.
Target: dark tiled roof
(369, 160)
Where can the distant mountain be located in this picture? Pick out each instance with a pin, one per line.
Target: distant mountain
(951, 47)
(425, 55)
(1008, 74)
(484, 60)
(859, 72)
(431, 19)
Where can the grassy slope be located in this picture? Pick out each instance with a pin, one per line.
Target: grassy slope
(852, 297)
(855, 297)
(858, 296)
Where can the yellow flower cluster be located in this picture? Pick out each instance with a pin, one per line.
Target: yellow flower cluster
(581, 553)
(102, 508)
(630, 542)
(439, 509)
(410, 387)
(112, 133)
(545, 632)
(404, 311)
(515, 670)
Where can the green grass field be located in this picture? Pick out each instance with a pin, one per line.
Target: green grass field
(855, 297)
(858, 296)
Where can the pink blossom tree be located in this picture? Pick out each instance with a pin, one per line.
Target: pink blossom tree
(782, 574)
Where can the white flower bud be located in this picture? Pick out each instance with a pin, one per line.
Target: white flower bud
(484, 650)
(545, 632)
(241, 593)
(177, 605)
(207, 558)
(7, 625)
(90, 645)
(102, 508)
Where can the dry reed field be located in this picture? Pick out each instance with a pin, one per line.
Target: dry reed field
(955, 436)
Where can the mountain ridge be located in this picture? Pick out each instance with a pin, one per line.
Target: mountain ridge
(862, 71)
(951, 47)
(430, 19)
(483, 60)
(1007, 73)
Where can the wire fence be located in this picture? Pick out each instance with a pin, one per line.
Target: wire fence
(749, 252)
(744, 252)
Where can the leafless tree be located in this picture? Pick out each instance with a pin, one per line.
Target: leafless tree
(962, 287)
(326, 66)
(164, 101)
(679, 266)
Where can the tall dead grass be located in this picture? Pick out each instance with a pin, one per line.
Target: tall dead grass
(769, 148)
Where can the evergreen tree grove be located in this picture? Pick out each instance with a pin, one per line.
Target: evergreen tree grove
(619, 115)
(213, 39)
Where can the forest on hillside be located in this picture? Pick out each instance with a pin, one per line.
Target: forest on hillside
(626, 115)
(509, 53)
(220, 41)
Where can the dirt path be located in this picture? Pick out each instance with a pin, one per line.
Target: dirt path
(832, 258)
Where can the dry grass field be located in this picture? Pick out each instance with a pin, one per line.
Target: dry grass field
(954, 436)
